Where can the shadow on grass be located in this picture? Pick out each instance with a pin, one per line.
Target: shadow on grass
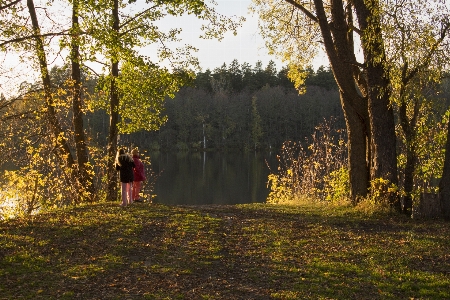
(149, 251)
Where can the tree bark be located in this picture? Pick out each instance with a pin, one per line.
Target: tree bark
(85, 178)
(339, 48)
(114, 114)
(357, 150)
(409, 129)
(381, 115)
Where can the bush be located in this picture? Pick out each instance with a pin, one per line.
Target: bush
(337, 185)
(318, 171)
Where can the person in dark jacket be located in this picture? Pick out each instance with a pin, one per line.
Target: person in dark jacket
(125, 165)
(139, 175)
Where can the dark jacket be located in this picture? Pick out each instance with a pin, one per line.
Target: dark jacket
(139, 172)
(125, 167)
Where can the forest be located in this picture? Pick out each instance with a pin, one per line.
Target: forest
(238, 107)
(372, 127)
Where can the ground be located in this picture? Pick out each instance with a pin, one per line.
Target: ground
(257, 251)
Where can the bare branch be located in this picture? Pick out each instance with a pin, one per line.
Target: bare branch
(92, 70)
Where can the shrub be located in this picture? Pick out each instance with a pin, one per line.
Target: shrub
(337, 185)
(317, 171)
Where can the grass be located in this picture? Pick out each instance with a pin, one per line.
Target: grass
(257, 251)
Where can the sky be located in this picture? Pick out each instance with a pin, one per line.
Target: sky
(247, 46)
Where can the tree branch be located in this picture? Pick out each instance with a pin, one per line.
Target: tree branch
(313, 17)
(137, 16)
(9, 5)
(304, 10)
(21, 115)
(34, 36)
(427, 59)
(130, 30)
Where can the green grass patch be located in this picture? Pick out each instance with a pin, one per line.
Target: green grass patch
(257, 251)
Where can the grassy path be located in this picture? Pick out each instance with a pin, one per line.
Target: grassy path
(150, 251)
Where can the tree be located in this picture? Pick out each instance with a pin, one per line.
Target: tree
(235, 76)
(126, 88)
(290, 29)
(85, 172)
(131, 82)
(392, 58)
(20, 39)
(323, 77)
(62, 150)
(444, 184)
(417, 53)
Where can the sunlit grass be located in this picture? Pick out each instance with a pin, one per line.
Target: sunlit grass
(257, 251)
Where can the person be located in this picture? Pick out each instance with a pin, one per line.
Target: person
(125, 165)
(139, 175)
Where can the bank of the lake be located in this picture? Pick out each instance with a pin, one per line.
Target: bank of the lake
(256, 251)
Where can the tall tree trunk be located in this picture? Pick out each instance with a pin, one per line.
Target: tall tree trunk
(339, 48)
(85, 178)
(408, 184)
(444, 184)
(382, 124)
(63, 149)
(409, 129)
(357, 151)
(114, 114)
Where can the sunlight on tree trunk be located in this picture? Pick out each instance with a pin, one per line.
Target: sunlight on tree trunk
(63, 150)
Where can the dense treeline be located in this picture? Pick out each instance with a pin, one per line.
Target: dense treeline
(238, 107)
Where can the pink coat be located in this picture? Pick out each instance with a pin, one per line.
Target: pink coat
(139, 172)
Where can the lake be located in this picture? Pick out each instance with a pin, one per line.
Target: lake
(199, 178)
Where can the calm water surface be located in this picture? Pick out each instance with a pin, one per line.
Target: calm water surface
(211, 177)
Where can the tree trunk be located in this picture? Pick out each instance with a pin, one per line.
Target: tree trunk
(85, 178)
(444, 184)
(381, 114)
(357, 149)
(408, 181)
(63, 149)
(382, 124)
(409, 129)
(339, 48)
(114, 114)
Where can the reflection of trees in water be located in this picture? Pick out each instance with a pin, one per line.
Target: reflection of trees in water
(211, 178)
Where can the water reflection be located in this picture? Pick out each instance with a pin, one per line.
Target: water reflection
(211, 178)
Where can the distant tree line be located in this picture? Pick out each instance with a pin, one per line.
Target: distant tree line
(238, 107)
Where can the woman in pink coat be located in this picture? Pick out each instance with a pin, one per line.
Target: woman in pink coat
(139, 175)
